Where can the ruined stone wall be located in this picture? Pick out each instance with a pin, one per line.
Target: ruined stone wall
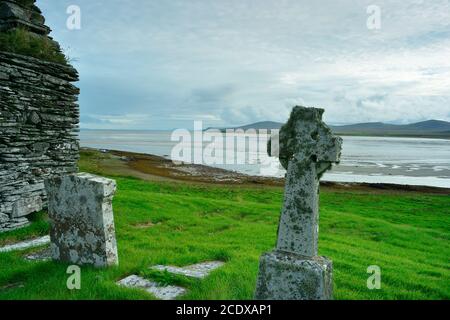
(39, 118)
(24, 14)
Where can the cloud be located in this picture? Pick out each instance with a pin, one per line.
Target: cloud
(89, 120)
(235, 62)
(119, 121)
(212, 95)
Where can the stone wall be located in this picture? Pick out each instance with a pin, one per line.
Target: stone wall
(24, 14)
(39, 118)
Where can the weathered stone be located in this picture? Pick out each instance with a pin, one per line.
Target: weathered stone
(3, 218)
(20, 14)
(286, 276)
(26, 244)
(25, 206)
(82, 222)
(41, 255)
(13, 224)
(199, 270)
(34, 118)
(307, 148)
(154, 288)
(38, 114)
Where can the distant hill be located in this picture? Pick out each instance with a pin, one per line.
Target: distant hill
(269, 125)
(430, 128)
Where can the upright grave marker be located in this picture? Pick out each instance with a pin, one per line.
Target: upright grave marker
(293, 271)
(82, 222)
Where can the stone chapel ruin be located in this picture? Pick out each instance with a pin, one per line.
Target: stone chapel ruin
(294, 271)
(39, 117)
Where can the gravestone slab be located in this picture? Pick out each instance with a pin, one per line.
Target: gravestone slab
(39, 256)
(39, 115)
(25, 206)
(82, 222)
(22, 14)
(26, 244)
(307, 149)
(154, 288)
(8, 224)
(199, 270)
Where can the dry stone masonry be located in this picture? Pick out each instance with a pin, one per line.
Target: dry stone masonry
(40, 255)
(23, 14)
(294, 271)
(169, 292)
(82, 223)
(39, 118)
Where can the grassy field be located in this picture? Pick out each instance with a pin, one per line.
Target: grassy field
(158, 222)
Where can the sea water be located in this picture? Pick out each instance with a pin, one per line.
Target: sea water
(410, 161)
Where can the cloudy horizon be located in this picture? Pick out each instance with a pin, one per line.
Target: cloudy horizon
(163, 65)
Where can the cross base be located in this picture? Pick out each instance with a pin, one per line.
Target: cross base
(288, 276)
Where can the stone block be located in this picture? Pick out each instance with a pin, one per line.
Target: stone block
(82, 222)
(288, 276)
(26, 206)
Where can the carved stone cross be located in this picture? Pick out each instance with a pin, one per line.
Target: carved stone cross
(293, 271)
(307, 149)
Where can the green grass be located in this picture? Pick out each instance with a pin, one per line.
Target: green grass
(20, 41)
(406, 234)
(38, 227)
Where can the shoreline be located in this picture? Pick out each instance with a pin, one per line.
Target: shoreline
(157, 168)
(412, 136)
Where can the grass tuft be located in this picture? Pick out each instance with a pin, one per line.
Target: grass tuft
(20, 41)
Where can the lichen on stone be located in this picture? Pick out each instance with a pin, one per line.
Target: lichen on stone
(307, 149)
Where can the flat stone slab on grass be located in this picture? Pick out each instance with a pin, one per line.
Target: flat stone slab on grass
(199, 270)
(159, 291)
(12, 286)
(26, 244)
(41, 255)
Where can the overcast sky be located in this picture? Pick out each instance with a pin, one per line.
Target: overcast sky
(153, 64)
